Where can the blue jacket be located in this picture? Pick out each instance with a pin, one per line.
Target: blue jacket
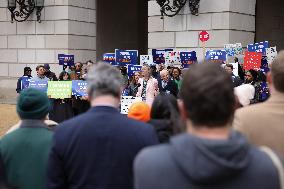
(192, 162)
(97, 150)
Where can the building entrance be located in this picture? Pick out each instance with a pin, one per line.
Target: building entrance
(270, 22)
(122, 24)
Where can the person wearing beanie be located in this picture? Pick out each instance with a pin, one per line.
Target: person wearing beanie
(23, 82)
(25, 150)
(139, 111)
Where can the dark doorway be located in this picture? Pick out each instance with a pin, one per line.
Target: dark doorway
(122, 24)
(270, 22)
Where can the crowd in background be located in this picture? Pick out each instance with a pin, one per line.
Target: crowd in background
(191, 112)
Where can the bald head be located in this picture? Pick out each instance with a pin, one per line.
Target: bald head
(277, 72)
(164, 75)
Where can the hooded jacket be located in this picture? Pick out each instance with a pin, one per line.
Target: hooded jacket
(191, 162)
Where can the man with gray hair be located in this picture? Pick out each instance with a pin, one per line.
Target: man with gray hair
(97, 148)
(166, 85)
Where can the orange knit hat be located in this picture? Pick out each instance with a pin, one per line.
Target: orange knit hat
(139, 111)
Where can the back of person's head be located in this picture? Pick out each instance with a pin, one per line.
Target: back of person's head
(104, 79)
(139, 111)
(165, 107)
(208, 96)
(277, 72)
(32, 104)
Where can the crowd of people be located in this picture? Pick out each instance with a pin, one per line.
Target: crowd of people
(198, 128)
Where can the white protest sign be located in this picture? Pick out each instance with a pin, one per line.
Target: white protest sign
(146, 59)
(235, 69)
(233, 49)
(271, 54)
(172, 58)
(238, 49)
(127, 101)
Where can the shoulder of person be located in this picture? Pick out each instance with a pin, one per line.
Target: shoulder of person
(151, 159)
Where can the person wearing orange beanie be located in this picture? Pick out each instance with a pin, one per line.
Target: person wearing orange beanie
(139, 111)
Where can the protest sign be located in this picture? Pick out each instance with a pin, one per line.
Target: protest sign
(172, 58)
(252, 60)
(66, 59)
(146, 59)
(109, 58)
(59, 89)
(25, 82)
(233, 49)
(258, 47)
(41, 85)
(216, 55)
(79, 88)
(238, 49)
(235, 69)
(271, 54)
(188, 58)
(126, 102)
(264, 65)
(159, 55)
(204, 36)
(230, 49)
(131, 69)
(125, 57)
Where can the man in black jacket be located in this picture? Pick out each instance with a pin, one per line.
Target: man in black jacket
(166, 85)
(97, 148)
(209, 154)
(236, 79)
(23, 82)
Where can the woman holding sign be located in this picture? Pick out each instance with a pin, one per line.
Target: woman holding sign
(148, 86)
(63, 107)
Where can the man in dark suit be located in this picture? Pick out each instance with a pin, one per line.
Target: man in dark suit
(97, 148)
(236, 79)
(166, 85)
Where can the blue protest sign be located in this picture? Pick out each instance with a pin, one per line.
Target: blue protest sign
(79, 88)
(216, 55)
(264, 65)
(41, 85)
(131, 69)
(159, 55)
(25, 82)
(66, 59)
(125, 57)
(258, 47)
(187, 58)
(109, 58)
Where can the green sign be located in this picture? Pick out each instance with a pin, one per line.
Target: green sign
(59, 89)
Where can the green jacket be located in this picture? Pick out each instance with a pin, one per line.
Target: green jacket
(25, 154)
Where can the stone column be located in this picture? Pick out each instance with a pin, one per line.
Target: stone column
(227, 21)
(68, 26)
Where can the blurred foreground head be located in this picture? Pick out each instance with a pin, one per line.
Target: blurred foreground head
(139, 111)
(104, 79)
(277, 72)
(208, 96)
(33, 104)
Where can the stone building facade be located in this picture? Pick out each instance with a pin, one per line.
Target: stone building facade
(73, 27)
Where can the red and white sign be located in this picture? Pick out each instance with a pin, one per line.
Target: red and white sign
(204, 36)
